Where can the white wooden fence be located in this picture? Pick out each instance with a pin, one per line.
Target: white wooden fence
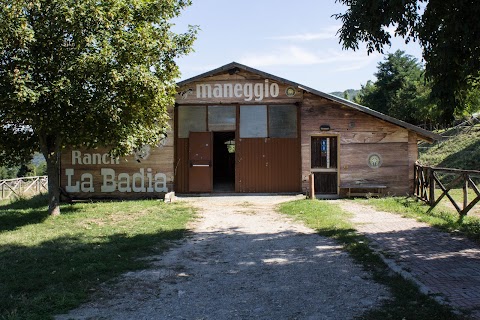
(26, 186)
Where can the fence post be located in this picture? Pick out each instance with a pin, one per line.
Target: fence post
(415, 182)
(425, 183)
(431, 184)
(311, 182)
(465, 190)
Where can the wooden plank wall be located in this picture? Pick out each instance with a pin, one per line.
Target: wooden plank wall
(360, 135)
(412, 158)
(159, 161)
(181, 166)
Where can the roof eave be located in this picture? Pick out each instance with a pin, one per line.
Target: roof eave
(423, 134)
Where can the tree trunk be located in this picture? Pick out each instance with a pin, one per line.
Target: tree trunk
(50, 147)
(53, 184)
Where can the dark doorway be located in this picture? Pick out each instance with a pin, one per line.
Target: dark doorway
(224, 161)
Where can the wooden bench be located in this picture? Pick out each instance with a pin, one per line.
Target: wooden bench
(372, 189)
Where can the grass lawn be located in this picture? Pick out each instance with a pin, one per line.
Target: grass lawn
(49, 265)
(443, 216)
(462, 151)
(457, 195)
(331, 221)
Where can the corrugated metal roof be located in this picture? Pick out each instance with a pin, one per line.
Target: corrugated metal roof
(424, 134)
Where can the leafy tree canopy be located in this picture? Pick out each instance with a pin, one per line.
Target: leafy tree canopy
(395, 90)
(448, 31)
(89, 73)
(400, 90)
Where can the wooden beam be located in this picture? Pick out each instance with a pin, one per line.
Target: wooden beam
(311, 180)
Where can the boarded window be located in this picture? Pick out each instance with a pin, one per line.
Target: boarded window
(253, 121)
(282, 121)
(222, 118)
(191, 119)
(324, 152)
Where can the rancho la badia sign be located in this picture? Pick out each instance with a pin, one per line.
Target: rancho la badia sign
(244, 91)
(91, 173)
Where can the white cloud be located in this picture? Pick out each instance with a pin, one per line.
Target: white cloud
(356, 65)
(296, 56)
(200, 68)
(326, 33)
(291, 55)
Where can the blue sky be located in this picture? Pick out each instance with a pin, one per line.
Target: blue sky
(291, 39)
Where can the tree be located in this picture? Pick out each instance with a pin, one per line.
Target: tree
(8, 172)
(85, 73)
(472, 103)
(448, 32)
(399, 90)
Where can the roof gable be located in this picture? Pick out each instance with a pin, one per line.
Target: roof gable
(235, 67)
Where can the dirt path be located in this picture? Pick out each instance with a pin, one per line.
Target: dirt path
(243, 261)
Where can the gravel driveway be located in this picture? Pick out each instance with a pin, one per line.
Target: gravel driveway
(242, 261)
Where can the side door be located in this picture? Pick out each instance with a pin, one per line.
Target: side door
(324, 164)
(200, 147)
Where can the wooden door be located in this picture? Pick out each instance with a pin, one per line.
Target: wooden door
(200, 178)
(324, 164)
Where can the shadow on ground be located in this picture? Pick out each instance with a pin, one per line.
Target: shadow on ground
(12, 215)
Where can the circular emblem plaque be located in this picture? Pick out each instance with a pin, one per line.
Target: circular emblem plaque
(290, 91)
(374, 160)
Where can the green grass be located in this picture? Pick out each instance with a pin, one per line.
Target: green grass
(49, 265)
(441, 217)
(457, 195)
(331, 221)
(461, 151)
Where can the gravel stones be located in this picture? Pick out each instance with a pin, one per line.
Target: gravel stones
(242, 261)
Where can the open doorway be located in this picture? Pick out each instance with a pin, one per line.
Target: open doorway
(224, 161)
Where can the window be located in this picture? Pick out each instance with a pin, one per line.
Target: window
(222, 118)
(282, 121)
(324, 152)
(256, 121)
(191, 119)
(253, 121)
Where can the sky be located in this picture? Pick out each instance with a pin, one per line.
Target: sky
(295, 40)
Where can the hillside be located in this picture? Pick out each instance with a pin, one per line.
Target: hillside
(461, 151)
(351, 94)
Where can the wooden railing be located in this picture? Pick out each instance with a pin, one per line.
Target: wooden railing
(431, 180)
(23, 186)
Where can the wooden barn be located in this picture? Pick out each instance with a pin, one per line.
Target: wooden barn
(237, 129)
